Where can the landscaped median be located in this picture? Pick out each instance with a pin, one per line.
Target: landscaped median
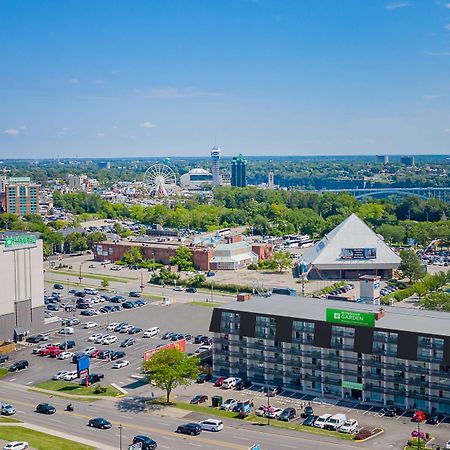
(9, 420)
(262, 420)
(72, 389)
(3, 372)
(39, 440)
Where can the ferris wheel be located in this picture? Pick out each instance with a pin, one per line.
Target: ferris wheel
(160, 180)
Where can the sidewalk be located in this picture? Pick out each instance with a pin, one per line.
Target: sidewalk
(60, 435)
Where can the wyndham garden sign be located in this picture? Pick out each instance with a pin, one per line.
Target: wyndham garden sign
(346, 317)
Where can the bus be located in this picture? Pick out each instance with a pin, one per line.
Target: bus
(224, 232)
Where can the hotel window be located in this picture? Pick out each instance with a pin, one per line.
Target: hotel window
(230, 323)
(265, 327)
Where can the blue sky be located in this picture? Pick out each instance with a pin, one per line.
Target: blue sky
(171, 77)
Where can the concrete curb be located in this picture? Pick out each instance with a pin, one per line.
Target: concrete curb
(123, 392)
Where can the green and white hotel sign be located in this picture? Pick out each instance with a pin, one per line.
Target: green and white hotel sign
(346, 317)
(20, 241)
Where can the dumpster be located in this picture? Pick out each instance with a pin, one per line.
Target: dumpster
(216, 401)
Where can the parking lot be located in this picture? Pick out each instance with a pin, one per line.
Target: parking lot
(179, 318)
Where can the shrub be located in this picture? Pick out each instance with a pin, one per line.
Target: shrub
(99, 389)
(364, 433)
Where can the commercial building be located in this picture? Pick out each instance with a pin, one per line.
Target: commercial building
(22, 281)
(232, 256)
(81, 183)
(197, 178)
(239, 171)
(215, 157)
(337, 350)
(19, 196)
(351, 250)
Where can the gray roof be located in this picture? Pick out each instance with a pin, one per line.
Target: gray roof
(395, 318)
(352, 233)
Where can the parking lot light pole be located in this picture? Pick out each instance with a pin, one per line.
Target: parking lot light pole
(120, 436)
(268, 406)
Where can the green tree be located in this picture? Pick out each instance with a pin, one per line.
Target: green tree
(410, 265)
(392, 233)
(439, 301)
(132, 256)
(95, 237)
(183, 259)
(170, 368)
(282, 259)
(105, 283)
(197, 280)
(75, 242)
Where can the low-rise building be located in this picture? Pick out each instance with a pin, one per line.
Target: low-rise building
(197, 178)
(232, 256)
(337, 350)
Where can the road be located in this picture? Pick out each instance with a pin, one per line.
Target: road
(159, 425)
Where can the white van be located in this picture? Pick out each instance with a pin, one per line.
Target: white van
(66, 330)
(153, 331)
(229, 383)
(335, 422)
(90, 291)
(321, 420)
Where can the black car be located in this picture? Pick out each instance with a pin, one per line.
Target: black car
(134, 294)
(88, 312)
(106, 308)
(93, 378)
(45, 408)
(80, 294)
(127, 305)
(145, 441)
(58, 286)
(104, 354)
(204, 377)
(243, 384)
(19, 365)
(78, 355)
(309, 421)
(99, 422)
(434, 420)
(33, 339)
(308, 411)
(52, 307)
(390, 411)
(120, 325)
(199, 399)
(116, 308)
(192, 290)
(3, 358)
(127, 342)
(70, 322)
(140, 303)
(117, 299)
(193, 429)
(206, 340)
(72, 291)
(287, 414)
(66, 345)
(167, 335)
(117, 355)
(134, 330)
(105, 297)
(176, 337)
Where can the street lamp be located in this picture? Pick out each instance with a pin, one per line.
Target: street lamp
(120, 436)
(268, 406)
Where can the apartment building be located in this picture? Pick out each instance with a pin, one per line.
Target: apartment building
(337, 350)
(19, 196)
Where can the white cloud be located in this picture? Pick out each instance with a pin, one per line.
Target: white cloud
(12, 132)
(99, 81)
(101, 135)
(190, 92)
(392, 6)
(147, 125)
(23, 128)
(74, 80)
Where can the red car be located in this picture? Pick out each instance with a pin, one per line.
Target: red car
(47, 351)
(95, 354)
(199, 399)
(219, 381)
(419, 416)
(55, 353)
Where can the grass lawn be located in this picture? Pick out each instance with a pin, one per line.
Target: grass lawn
(9, 420)
(41, 441)
(263, 420)
(66, 387)
(3, 372)
(95, 276)
(207, 304)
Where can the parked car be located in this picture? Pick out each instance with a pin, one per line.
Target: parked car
(321, 420)
(199, 399)
(59, 375)
(167, 335)
(120, 364)
(350, 426)
(203, 377)
(88, 325)
(3, 358)
(134, 330)
(154, 331)
(127, 305)
(127, 342)
(65, 355)
(107, 340)
(58, 286)
(198, 338)
(390, 411)
(117, 355)
(19, 365)
(434, 420)
(229, 404)
(447, 445)
(67, 344)
(99, 422)
(191, 290)
(273, 412)
(287, 414)
(90, 291)
(335, 422)
(6, 409)
(45, 408)
(178, 288)
(419, 416)
(211, 425)
(93, 378)
(146, 442)
(193, 429)
(134, 294)
(219, 381)
(80, 294)
(307, 411)
(70, 376)
(309, 421)
(243, 384)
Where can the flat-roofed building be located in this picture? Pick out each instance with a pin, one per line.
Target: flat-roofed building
(232, 256)
(344, 351)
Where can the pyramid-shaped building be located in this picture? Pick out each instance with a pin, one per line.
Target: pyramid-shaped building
(351, 250)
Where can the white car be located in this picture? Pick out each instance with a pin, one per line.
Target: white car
(89, 350)
(65, 355)
(94, 336)
(274, 413)
(66, 330)
(211, 425)
(38, 348)
(90, 325)
(126, 328)
(261, 411)
(111, 326)
(92, 266)
(120, 364)
(70, 376)
(178, 288)
(116, 268)
(90, 291)
(229, 404)
(109, 340)
(153, 331)
(203, 348)
(447, 446)
(350, 426)
(100, 338)
(59, 375)
(16, 445)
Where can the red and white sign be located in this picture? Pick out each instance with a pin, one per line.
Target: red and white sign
(180, 345)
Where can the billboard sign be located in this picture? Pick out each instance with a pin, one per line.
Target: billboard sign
(83, 363)
(358, 253)
(181, 345)
(25, 240)
(345, 317)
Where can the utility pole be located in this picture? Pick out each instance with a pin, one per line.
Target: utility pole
(142, 281)
(80, 277)
(212, 291)
(268, 406)
(120, 436)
